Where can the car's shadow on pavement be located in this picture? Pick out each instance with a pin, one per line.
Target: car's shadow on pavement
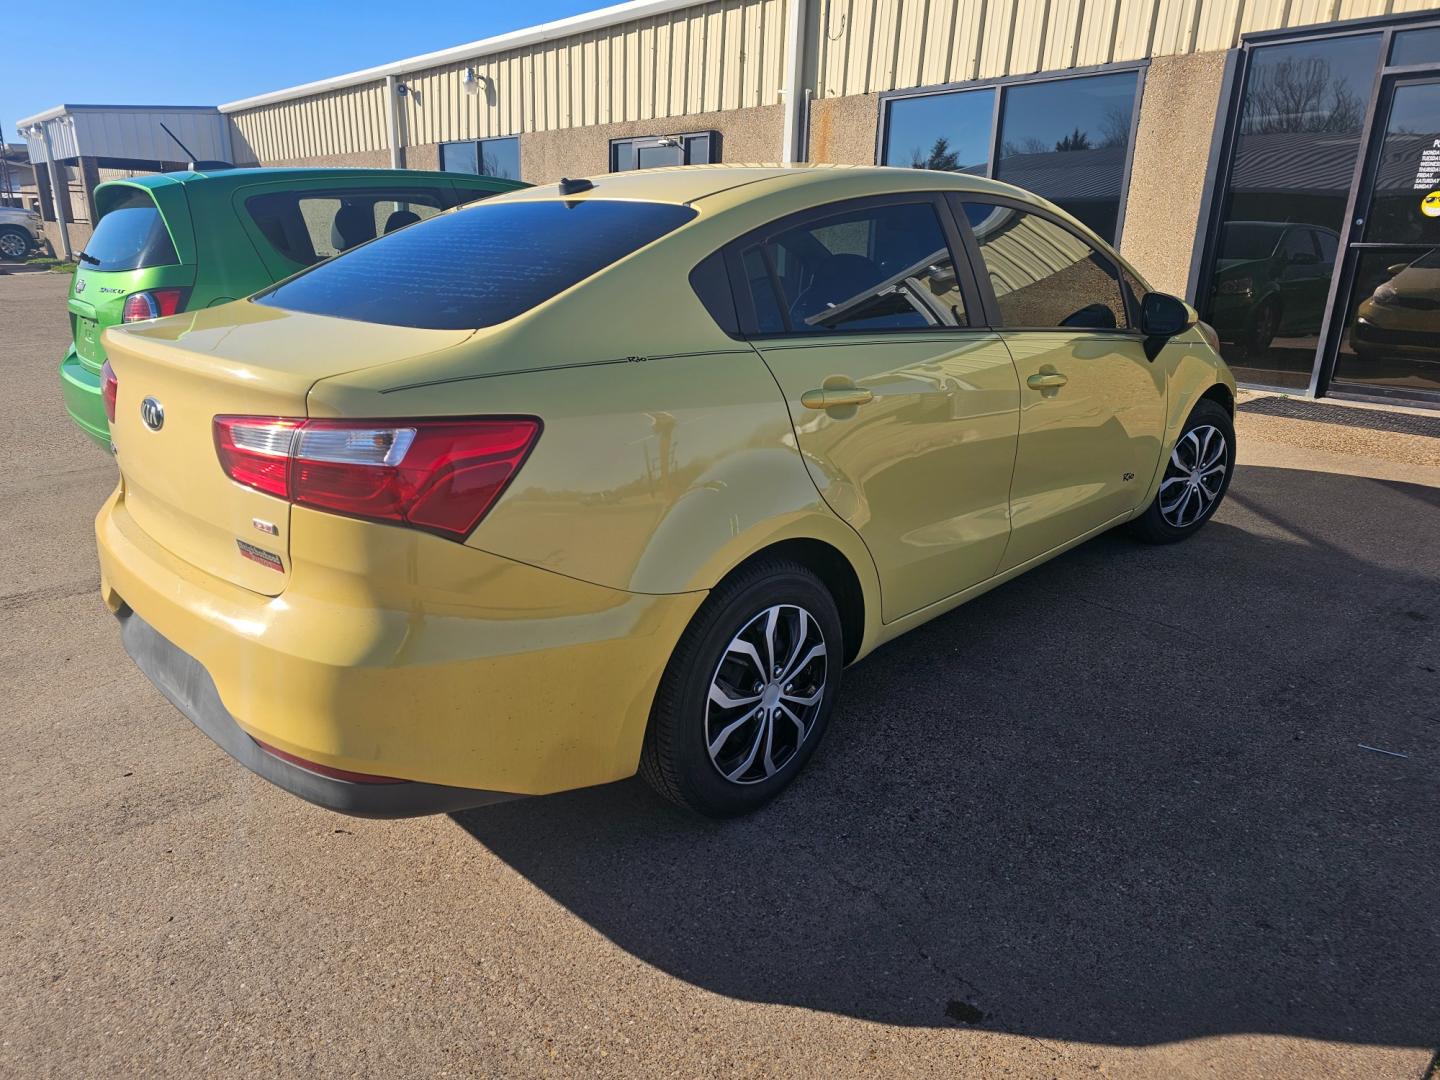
(1120, 800)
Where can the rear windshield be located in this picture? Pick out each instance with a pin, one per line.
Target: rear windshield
(131, 236)
(479, 266)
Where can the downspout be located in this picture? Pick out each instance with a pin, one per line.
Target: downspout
(58, 197)
(392, 121)
(792, 146)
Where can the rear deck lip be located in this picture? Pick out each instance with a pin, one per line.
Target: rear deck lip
(188, 686)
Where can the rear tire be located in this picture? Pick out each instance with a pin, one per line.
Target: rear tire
(1197, 476)
(15, 243)
(725, 736)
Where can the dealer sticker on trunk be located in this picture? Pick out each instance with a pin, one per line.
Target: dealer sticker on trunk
(260, 555)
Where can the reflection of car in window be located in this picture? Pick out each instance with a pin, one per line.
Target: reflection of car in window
(1271, 279)
(1402, 316)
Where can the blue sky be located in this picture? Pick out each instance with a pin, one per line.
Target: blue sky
(160, 52)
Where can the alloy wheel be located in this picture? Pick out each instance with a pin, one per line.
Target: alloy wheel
(1195, 476)
(765, 694)
(13, 246)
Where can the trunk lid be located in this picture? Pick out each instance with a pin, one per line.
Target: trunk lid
(244, 359)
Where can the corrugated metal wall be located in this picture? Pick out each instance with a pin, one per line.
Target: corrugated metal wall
(345, 121)
(867, 46)
(726, 54)
(729, 54)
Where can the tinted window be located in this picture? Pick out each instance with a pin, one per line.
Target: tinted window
(478, 266)
(879, 268)
(461, 157)
(1067, 140)
(131, 236)
(941, 131)
(1416, 47)
(486, 157)
(1249, 240)
(1301, 114)
(1043, 274)
(306, 227)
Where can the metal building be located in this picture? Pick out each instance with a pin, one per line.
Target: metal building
(75, 147)
(1271, 160)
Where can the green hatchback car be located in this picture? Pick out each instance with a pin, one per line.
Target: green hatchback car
(176, 242)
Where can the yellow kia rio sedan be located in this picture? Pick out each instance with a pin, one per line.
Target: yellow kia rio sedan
(618, 475)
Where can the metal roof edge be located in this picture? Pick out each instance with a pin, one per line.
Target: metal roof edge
(515, 39)
(60, 110)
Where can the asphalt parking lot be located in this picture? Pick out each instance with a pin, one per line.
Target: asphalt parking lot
(1116, 818)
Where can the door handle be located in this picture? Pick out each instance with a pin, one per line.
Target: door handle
(836, 397)
(1046, 380)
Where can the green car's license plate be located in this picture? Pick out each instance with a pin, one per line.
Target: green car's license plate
(86, 332)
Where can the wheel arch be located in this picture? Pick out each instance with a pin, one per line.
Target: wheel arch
(836, 573)
(1221, 395)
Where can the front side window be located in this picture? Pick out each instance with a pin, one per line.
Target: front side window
(306, 227)
(695, 148)
(881, 267)
(130, 236)
(479, 266)
(483, 157)
(1044, 276)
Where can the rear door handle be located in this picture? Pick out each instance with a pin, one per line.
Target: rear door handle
(836, 397)
(1047, 380)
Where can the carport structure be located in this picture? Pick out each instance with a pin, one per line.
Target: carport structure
(76, 147)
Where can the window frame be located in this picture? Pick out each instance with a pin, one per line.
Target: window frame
(1000, 85)
(636, 142)
(747, 322)
(1124, 276)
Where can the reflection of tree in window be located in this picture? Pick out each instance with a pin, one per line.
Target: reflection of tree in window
(1299, 94)
(941, 157)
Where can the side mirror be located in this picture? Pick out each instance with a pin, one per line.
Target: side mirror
(1164, 316)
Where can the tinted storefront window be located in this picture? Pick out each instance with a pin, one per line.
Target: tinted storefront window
(1302, 115)
(1392, 331)
(486, 157)
(941, 131)
(1065, 139)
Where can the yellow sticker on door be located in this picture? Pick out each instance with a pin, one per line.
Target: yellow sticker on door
(1430, 205)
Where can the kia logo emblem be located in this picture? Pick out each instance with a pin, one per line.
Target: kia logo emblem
(153, 413)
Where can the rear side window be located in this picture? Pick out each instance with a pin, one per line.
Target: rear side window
(478, 266)
(308, 226)
(131, 236)
(1044, 275)
(873, 267)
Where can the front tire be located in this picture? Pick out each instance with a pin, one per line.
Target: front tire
(15, 243)
(748, 692)
(1197, 476)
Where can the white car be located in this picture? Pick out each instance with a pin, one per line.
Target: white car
(21, 232)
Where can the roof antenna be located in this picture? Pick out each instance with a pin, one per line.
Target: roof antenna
(574, 187)
(194, 163)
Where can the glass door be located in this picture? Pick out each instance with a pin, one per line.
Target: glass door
(1389, 337)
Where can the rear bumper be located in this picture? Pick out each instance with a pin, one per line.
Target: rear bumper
(395, 653)
(190, 689)
(81, 389)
